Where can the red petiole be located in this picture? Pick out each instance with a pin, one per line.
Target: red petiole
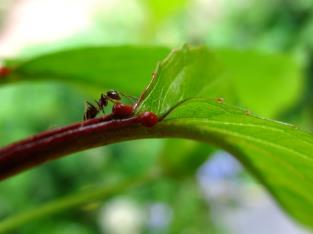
(56, 143)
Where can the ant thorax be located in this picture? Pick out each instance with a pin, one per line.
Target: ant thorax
(113, 95)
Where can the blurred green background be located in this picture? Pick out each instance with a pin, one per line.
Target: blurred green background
(220, 197)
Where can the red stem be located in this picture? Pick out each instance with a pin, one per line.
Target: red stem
(59, 142)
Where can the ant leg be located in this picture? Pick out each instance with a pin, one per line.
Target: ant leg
(100, 107)
(86, 110)
(102, 102)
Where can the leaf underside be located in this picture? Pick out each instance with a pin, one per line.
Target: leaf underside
(105, 67)
(279, 155)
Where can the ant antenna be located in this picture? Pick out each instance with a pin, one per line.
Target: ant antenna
(129, 97)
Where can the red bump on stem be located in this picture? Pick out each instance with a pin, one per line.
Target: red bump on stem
(148, 119)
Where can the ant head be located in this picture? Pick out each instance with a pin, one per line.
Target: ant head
(114, 95)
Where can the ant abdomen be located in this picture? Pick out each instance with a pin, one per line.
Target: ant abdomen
(91, 111)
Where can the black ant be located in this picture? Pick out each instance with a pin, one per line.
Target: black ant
(118, 110)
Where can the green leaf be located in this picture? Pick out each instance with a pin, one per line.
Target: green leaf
(278, 154)
(265, 83)
(105, 67)
(183, 74)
